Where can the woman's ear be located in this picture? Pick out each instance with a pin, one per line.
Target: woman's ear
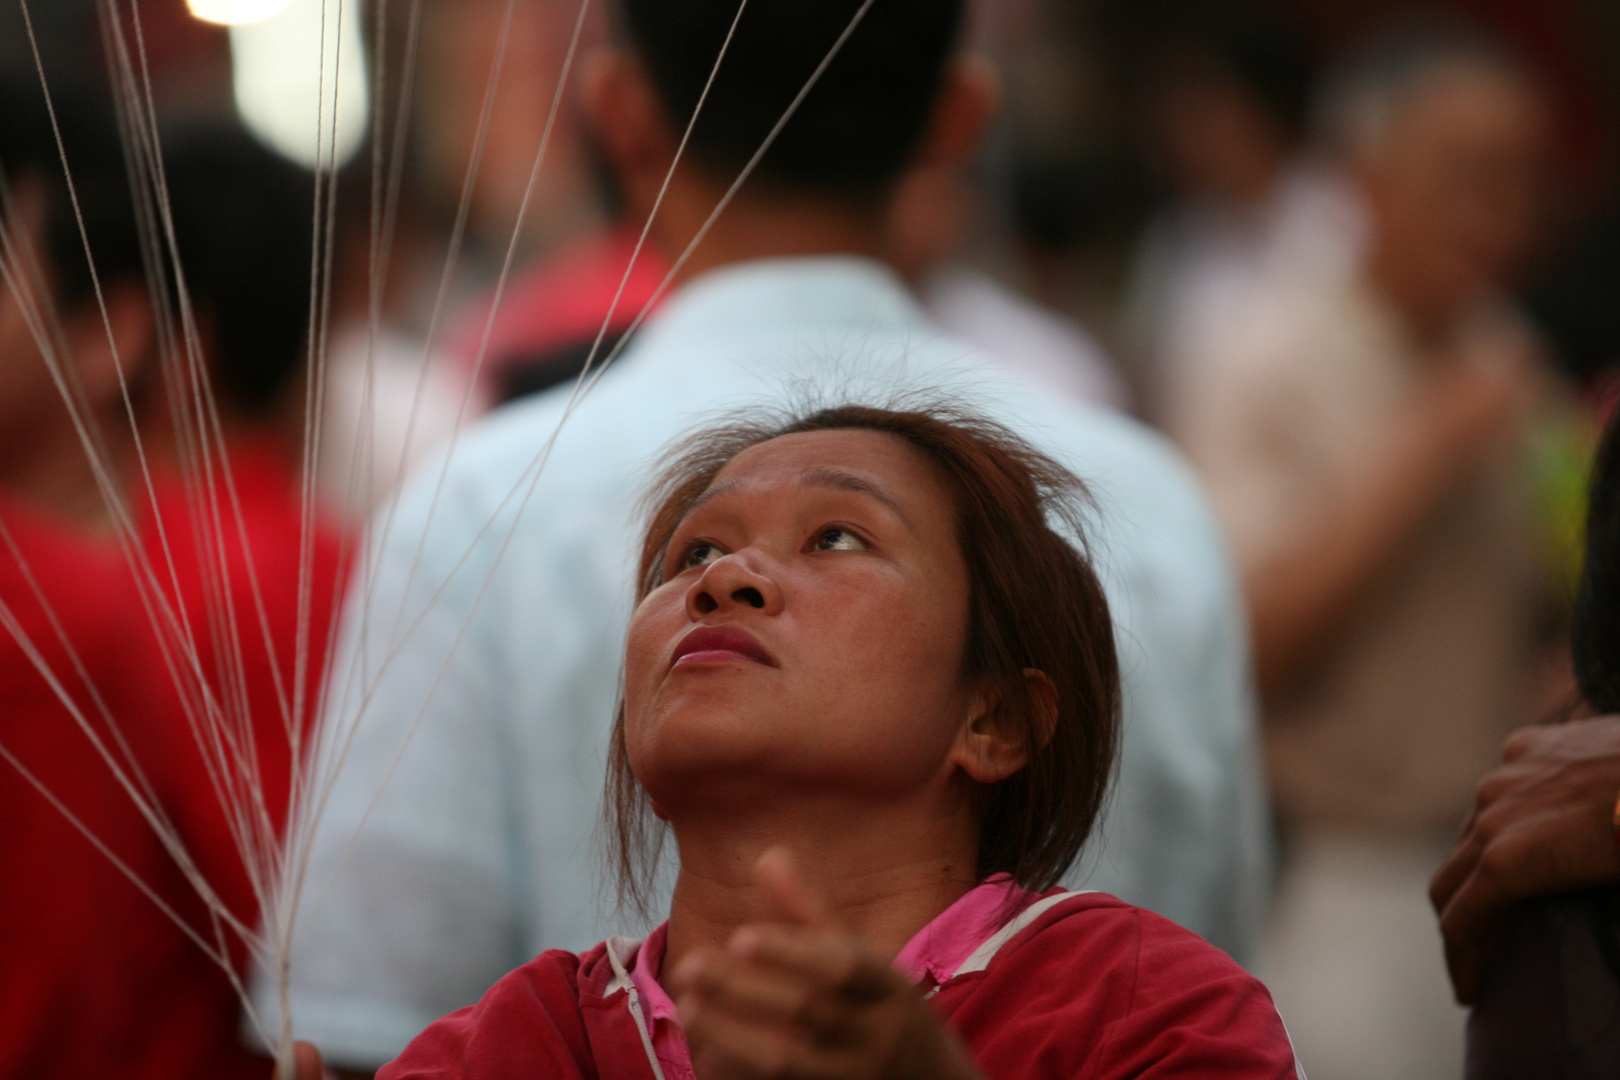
(995, 742)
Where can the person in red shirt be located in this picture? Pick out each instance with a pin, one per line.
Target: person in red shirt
(109, 958)
(81, 949)
(870, 686)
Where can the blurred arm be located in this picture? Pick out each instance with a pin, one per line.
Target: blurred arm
(1543, 823)
(1300, 597)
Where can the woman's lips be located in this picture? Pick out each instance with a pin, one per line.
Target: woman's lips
(721, 645)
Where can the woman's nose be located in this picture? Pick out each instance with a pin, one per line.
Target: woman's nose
(731, 581)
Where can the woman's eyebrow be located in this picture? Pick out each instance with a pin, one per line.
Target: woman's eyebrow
(714, 492)
(828, 476)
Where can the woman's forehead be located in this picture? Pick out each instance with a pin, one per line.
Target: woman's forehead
(876, 463)
(858, 450)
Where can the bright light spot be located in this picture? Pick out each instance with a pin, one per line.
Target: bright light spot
(236, 12)
(289, 85)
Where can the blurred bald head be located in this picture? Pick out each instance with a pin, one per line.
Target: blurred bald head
(1449, 137)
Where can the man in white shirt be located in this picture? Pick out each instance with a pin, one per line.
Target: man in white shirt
(480, 654)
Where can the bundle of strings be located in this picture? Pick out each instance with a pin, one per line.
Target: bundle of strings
(205, 658)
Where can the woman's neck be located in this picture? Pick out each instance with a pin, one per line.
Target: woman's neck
(884, 879)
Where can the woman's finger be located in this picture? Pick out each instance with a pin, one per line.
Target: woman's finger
(752, 992)
(1506, 871)
(833, 959)
(1456, 869)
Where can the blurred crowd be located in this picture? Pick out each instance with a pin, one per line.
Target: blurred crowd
(1360, 267)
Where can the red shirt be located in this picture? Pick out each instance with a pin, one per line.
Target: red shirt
(94, 979)
(82, 957)
(1089, 987)
(257, 682)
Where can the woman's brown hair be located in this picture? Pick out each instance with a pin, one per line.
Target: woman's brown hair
(1034, 603)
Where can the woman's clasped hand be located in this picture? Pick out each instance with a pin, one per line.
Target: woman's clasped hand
(804, 997)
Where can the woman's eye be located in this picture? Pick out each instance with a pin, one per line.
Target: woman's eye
(700, 554)
(839, 540)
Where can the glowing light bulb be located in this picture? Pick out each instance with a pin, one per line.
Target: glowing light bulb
(236, 12)
(304, 97)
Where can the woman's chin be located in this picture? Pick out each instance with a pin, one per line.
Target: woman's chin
(714, 708)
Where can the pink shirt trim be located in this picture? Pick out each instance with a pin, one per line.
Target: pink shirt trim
(929, 959)
(663, 1022)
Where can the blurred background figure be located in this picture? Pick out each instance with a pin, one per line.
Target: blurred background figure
(79, 944)
(158, 581)
(943, 225)
(1364, 439)
(1224, 97)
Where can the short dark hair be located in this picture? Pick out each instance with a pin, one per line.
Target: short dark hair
(31, 155)
(856, 131)
(1035, 602)
(242, 222)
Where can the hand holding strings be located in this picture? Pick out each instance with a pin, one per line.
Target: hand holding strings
(803, 998)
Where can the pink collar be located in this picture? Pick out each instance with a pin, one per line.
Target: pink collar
(663, 1022)
(929, 959)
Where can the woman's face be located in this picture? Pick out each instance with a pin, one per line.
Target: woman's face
(809, 631)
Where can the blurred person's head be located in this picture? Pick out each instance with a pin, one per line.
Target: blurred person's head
(1449, 138)
(865, 620)
(895, 95)
(243, 221)
(1226, 95)
(67, 319)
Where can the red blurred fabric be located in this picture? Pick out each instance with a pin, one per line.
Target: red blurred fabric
(562, 302)
(94, 979)
(80, 956)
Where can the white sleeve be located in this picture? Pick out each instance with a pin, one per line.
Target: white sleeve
(408, 910)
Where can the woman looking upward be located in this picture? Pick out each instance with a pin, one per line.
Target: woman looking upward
(870, 686)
